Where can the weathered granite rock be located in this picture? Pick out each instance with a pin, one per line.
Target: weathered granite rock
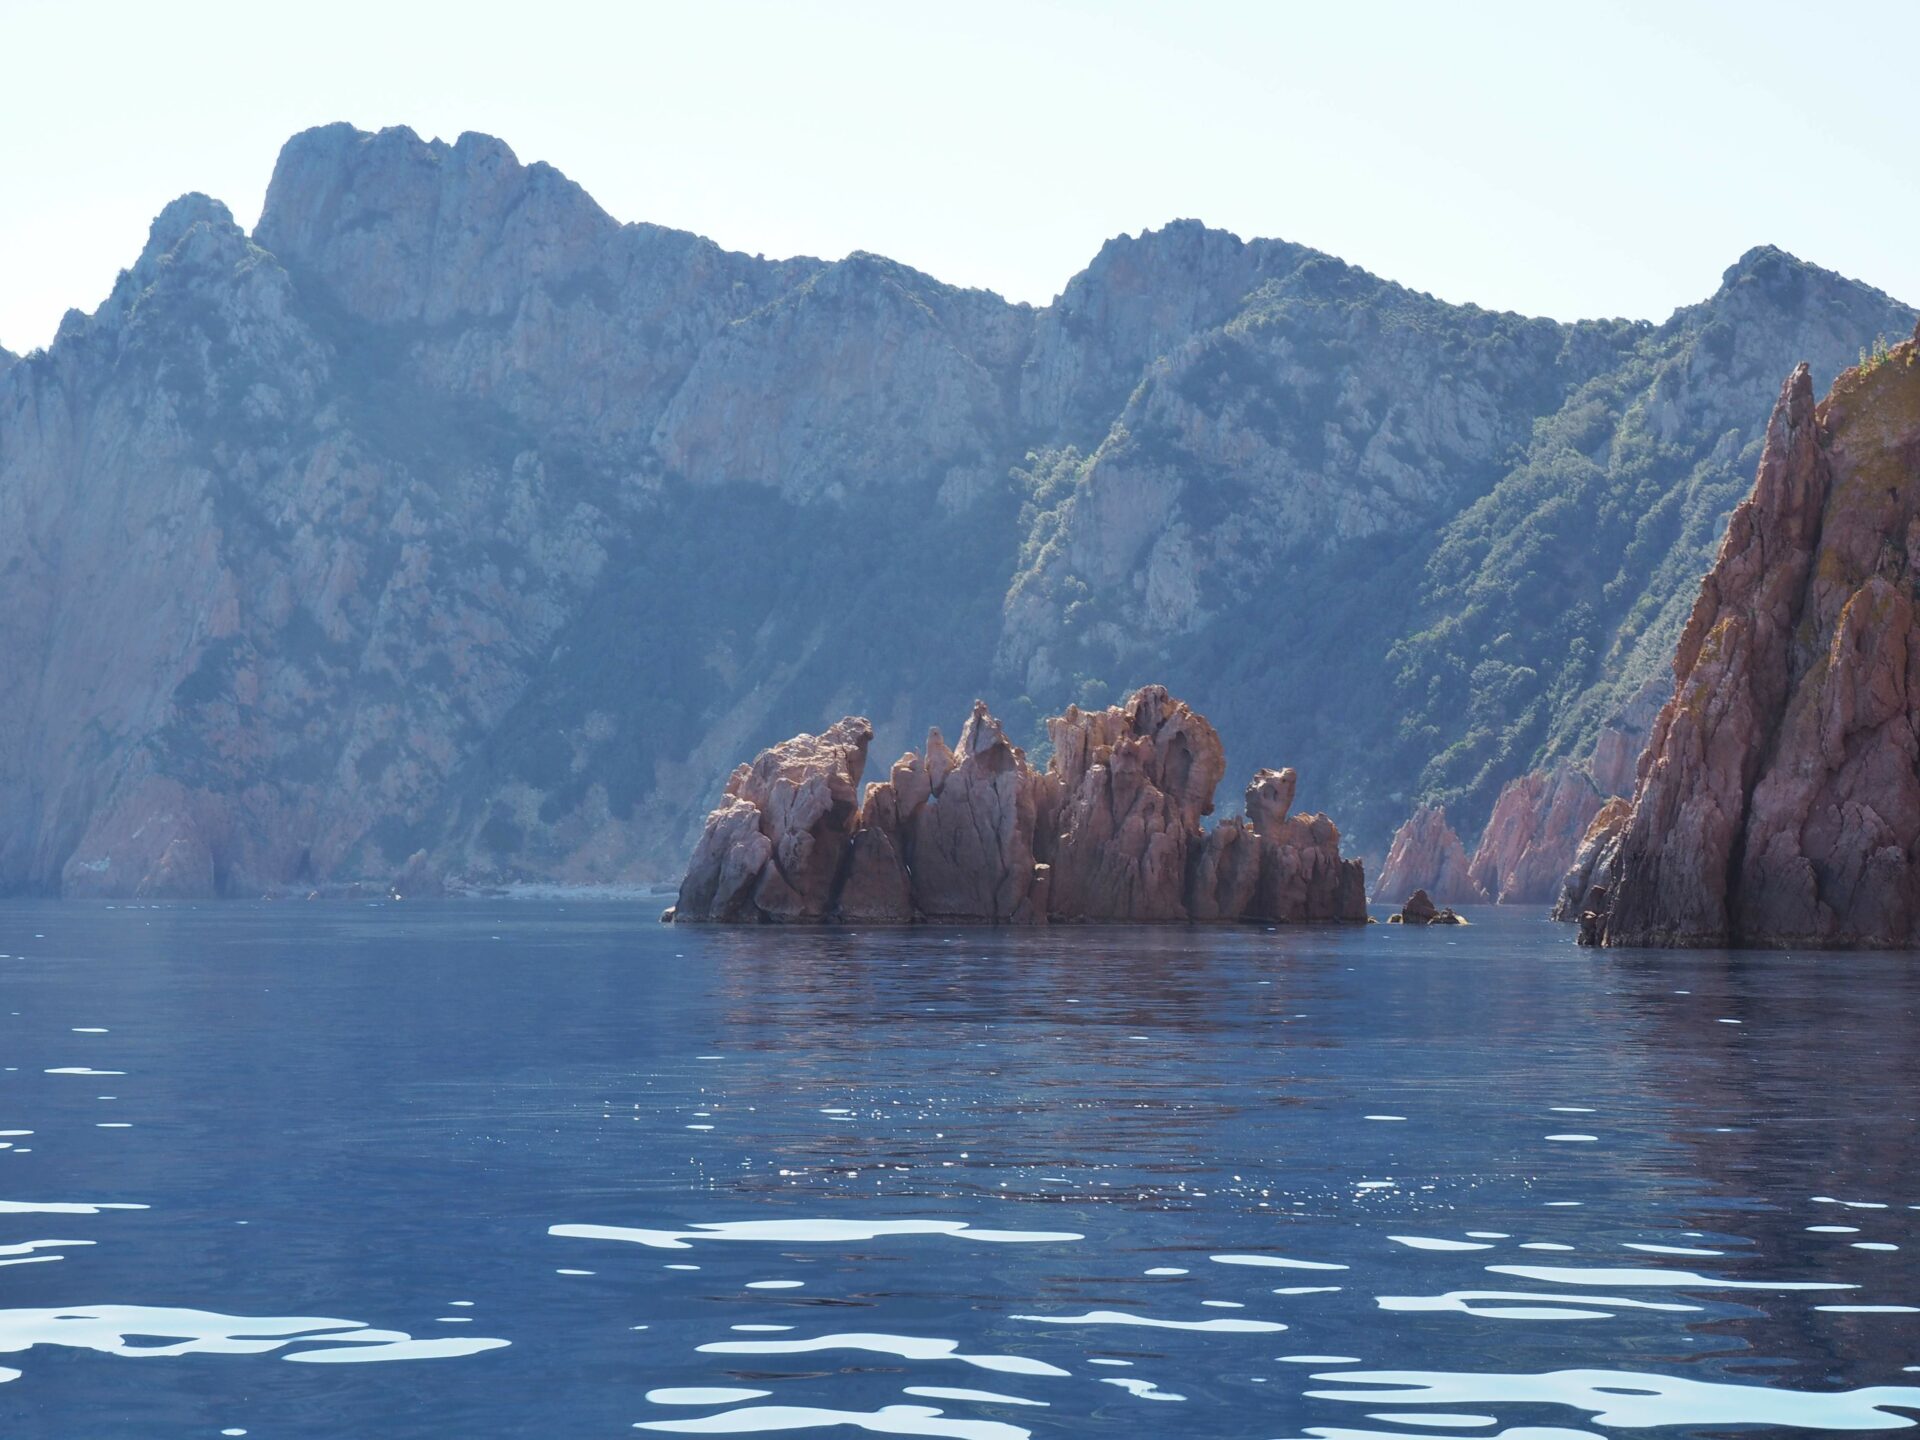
(1427, 855)
(1269, 865)
(962, 823)
(775, 849)
(365, 529)
(1135, 780)
(1595, 854)
(1530, 839)
(1779, 798)
(1110, 831)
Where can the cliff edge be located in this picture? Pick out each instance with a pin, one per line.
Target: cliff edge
(1778, 799)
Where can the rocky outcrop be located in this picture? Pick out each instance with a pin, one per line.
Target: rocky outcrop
(962, 825)
(1427, 856)
(1110, 831)
(776, 847)
(1592, 860)
(1134, 781)
(418, 880)
(1779, 796)
(1420, 910)
(357, 535)
(1532, 836)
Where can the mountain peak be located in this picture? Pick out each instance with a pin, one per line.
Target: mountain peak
(171, 225)
(398, 226)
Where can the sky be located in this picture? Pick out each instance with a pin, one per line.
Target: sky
(1566, 160)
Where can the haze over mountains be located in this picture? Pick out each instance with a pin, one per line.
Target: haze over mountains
(445, 514)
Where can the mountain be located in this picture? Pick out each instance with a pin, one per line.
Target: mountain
(446, 517)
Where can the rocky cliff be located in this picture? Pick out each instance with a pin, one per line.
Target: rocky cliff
(444, 515)
(973, 834)
(1533, 833)
(1778, 800)
(1427, 856)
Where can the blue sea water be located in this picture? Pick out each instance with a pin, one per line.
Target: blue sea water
(336, 1170)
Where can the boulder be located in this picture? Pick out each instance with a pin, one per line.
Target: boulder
(1419, 909)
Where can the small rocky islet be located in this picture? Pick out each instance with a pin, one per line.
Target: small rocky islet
(1110, 830)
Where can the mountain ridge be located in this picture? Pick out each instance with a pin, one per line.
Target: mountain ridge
(462, 518)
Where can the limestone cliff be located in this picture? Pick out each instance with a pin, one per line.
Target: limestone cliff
(1110, 831)
(1778, 800)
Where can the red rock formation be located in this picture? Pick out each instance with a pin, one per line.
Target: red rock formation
(1427, 855)
(1268, 865)
(1420, 910)
(1532, 835)
(773, 850)
(1134, 781)
(962, 824)
(1110, 831)
(1779, 798)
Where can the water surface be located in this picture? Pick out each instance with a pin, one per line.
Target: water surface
(320, 1170)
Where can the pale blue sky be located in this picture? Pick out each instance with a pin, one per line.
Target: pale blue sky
(1569, 160)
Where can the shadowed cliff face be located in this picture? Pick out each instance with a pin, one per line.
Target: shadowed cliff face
(1779, 797)
(447, 513)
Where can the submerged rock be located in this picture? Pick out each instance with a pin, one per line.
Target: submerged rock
(1427, 855)
(1110, 831)
(1779, 796)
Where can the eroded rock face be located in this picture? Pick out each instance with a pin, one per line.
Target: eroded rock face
(973, 833)
(1531, 837)
(775, 848)
(1135, 780)
(1779, 797)
(961, 823)
(1427, 855)
(1616, 754)
(1594, 856)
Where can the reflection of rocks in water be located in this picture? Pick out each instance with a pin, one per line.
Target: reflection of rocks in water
(1804, 1103)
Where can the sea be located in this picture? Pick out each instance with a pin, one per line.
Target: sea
(550, 1168)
